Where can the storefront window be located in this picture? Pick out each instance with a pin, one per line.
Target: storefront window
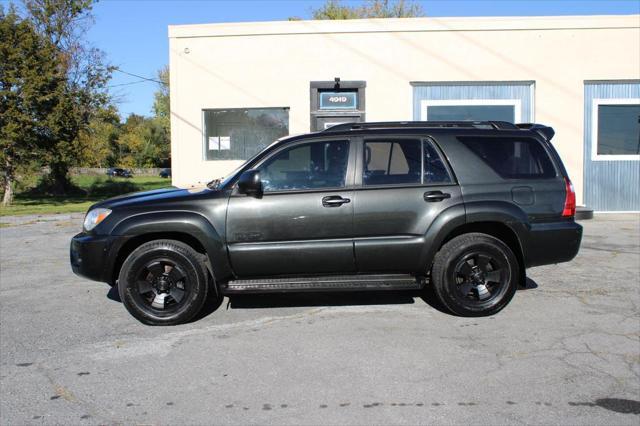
(239, 133)
(618, 129)
(471, 112)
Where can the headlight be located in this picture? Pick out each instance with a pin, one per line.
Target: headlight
(94, 217)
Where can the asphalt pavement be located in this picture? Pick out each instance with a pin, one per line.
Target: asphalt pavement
(566, 350)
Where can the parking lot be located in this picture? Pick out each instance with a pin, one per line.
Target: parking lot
(566, 350)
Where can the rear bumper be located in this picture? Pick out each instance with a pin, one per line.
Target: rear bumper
(93, 256)
(554, 242)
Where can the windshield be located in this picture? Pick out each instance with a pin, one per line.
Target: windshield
(223, 181)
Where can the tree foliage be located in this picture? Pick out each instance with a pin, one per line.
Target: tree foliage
(335, 9)
(64, 24)
(30, 84)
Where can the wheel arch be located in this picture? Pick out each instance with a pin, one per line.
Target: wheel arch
(187, 227)
(498, 230)
(502, 220)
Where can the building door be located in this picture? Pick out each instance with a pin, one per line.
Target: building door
(612, 146)
(500, 101)
(303, 222)
(335, 102)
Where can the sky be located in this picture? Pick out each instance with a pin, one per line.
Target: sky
(133, 33)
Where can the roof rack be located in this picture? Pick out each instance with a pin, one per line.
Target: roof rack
(421, 124)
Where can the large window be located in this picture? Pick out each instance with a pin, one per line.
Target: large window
(397, 162)
(512, 158)
(616, 127)
(238, 134)
(472, 109)
(314, 165)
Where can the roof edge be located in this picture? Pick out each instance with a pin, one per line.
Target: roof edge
(500, 23)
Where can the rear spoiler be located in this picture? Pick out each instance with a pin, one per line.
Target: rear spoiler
(544, 131)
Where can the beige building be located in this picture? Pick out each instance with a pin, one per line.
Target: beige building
(236, 87)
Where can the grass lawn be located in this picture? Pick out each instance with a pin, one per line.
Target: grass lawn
(96, 188)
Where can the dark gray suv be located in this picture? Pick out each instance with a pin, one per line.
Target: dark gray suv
(463, 207)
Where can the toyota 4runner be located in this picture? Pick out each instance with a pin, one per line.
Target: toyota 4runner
(463, 207)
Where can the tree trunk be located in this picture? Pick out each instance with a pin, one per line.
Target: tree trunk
(7, 199)
(59, 179)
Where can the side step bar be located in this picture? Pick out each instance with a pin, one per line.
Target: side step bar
(325, 283)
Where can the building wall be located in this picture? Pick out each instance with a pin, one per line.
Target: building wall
(270, 64)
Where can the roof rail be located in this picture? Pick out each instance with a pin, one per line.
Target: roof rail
(421, 124)
(544, 131)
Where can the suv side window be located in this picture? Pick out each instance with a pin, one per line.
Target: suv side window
(401, 162)
(434, 169)
(391, 162)
(512, 158)
(313, 165)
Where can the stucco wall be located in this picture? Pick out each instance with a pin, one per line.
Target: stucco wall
(270, 64)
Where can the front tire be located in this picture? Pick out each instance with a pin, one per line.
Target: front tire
(163, 282)
(475, 275)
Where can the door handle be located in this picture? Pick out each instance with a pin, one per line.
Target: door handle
(432, 196)
(334, 201)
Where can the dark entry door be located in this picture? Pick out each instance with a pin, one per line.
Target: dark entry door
(404, 185)
(303, 223)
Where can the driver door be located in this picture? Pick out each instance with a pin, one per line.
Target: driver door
(303, 222)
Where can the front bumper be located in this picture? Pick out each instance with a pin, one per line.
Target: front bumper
(93, 256)
(554, 242)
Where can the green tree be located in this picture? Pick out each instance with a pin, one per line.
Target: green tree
(29, 81)
(161, 102)
(335, 9)
(64, 23)
(99, 141)
(143, 142)
(161, 126)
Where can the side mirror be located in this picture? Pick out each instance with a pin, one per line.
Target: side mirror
(250, 184)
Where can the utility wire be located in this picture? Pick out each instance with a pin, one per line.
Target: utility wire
(139, 76)
(128, 84)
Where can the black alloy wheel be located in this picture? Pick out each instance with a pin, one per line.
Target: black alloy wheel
(164, 282)
(475, 274)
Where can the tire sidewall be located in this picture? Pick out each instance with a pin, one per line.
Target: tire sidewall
(180, 254)
(444, 274)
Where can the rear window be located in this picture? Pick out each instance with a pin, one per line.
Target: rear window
(513, 158)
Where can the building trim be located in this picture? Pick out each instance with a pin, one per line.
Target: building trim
(407, 25)
(595, 103)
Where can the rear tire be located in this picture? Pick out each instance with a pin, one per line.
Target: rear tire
(163, 282)
(475, 275)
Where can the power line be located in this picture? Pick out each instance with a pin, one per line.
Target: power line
(128, 84)
(139, 76)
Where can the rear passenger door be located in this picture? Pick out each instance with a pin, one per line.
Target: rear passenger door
(401, 186)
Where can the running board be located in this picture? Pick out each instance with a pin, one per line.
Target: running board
(326, 283)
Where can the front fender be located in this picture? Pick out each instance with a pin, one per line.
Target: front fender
(184, 222)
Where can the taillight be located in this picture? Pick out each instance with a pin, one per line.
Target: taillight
(569, 199)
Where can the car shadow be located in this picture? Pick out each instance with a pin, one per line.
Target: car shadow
(112, 294)
(311, 299)
(529, 284)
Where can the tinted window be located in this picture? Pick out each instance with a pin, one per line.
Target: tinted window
(471, 112)
(618, 129)
(240, 133)
(513, 158)
(434, 168)
(388, 163)
(309, 166)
